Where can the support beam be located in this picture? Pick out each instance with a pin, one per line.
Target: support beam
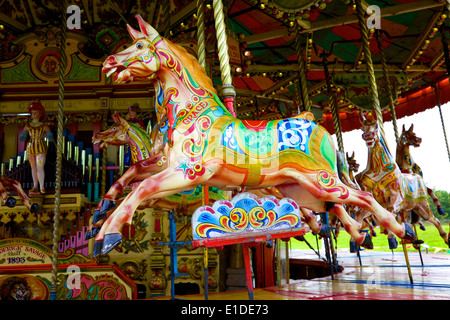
(338, 21)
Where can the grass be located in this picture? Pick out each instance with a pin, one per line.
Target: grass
(380, 243)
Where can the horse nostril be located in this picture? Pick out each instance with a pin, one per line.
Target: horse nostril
(111, 59)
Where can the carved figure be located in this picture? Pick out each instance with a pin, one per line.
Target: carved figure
(36, 146)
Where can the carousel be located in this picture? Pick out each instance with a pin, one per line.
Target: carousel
(172, 149)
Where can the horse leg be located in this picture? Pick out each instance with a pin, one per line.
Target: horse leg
(95, 226)
(311, 220)
(325, 200)
(424, 211)
(350, 225)
(167, 181)
(17, 187)
(385, 218)
(308, 215)
(436, 202)
(137, 172)
(366, 201)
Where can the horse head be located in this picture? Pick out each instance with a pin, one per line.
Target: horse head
(140, 61)
(409, 138)
(369, 126)
(116, 135)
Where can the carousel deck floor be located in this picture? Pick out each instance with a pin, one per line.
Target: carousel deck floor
(382, 276)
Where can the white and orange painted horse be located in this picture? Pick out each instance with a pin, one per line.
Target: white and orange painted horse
(398, 192)
(206, 145)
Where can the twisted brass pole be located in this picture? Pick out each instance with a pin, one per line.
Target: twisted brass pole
(438, 100)
(59, 146)
(228, 91)
(166, 14)
(387, 84)
(104, 156)
(201, 32)
(369, 64)
(302, 72)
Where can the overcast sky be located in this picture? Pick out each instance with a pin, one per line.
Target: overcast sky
(431, 156)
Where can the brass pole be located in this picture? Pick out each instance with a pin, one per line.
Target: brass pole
(368, 58)
(302, 72)
(59, 155)
(228, 91)
(387, 85)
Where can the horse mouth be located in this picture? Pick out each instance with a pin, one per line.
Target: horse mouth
(417, 142)
(118, 70)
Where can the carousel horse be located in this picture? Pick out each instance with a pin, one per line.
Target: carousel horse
(123, 132)
(13, 184)
(206, 145)
(398, 192)
(406, 163)
(361, 215)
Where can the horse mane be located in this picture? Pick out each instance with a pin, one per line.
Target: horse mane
(194, 68)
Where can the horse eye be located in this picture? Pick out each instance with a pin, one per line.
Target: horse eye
(139, 45)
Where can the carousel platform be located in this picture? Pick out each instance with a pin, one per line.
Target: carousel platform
(380, 276)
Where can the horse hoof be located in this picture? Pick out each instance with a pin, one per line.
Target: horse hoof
(440, 211)
(10, 202)
(409, 232)
(352, 246)
(97, 248)
(91, 234)
(393, 243)
(97, 216)
(422, 227)
(110, 241)
(34, 208)
(106, 206)
(324, 231)
(367, 243)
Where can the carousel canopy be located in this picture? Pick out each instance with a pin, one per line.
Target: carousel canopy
(265, 40)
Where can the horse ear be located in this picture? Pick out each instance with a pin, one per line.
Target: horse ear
(122, 120)
(146, 28)
(411, 128)
(134, 33)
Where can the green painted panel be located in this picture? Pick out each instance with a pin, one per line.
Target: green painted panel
(20, 73)
(82, 72)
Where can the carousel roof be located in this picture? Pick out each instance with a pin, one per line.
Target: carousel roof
(263, 51)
